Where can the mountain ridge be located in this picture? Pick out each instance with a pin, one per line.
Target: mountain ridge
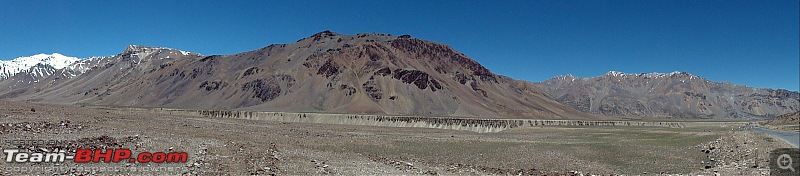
(326, 72)
(11, 67)
(372, 73)
(670, 95)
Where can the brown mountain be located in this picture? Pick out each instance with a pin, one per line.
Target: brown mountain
(670, 95)
(786, 119)
(327, 72)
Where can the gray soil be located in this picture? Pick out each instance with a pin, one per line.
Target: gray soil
(231, 146)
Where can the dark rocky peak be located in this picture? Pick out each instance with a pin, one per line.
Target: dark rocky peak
(374, 34)
(361, 37)
(445, 55)
(40, 67)
(438, 58)
(275, 46)
(324, 34)
(784, 94)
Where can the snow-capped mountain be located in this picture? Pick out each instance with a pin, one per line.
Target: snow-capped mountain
(26, 64)
(372, 74)
(652, 75)
(40, 66)
(42, 70)
(672, 95)
(149, 50)
(621, 75)
(326, 72)
(84, 65)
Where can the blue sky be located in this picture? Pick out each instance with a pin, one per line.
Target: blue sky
(754, 43)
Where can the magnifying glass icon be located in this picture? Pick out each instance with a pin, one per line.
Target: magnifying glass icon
(785, 162)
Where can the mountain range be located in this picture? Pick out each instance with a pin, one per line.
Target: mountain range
(668, 95)
(36, 65)
(370, 74)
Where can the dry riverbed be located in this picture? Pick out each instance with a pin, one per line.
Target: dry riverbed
(218, 146)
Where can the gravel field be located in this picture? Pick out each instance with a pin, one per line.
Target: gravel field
(221, 146)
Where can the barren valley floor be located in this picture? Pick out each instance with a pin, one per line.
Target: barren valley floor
(218, 146)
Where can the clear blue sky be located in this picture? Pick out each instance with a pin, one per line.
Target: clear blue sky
(754, 43)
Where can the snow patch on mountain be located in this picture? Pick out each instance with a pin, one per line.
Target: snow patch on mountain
(11, 67)
(137, 49)
(83, 65)
(650, 75)
(619, 76)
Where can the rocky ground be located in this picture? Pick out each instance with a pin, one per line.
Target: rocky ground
(744, 152)
(224, 146)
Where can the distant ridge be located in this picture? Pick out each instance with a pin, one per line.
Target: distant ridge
(669, 95)
(372, 74)
(326, 72)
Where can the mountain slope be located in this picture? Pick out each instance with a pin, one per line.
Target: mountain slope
(786, 119)
(327, 72)
(41, 61)
(41, 70)
(672, 95)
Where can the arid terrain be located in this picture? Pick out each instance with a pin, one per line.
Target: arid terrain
(786, 122)
(374, 73)
(375, 104)
(218, 145)
(391, 88)
(669, 95)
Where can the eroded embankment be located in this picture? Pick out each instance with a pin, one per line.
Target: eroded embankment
(452, 123)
